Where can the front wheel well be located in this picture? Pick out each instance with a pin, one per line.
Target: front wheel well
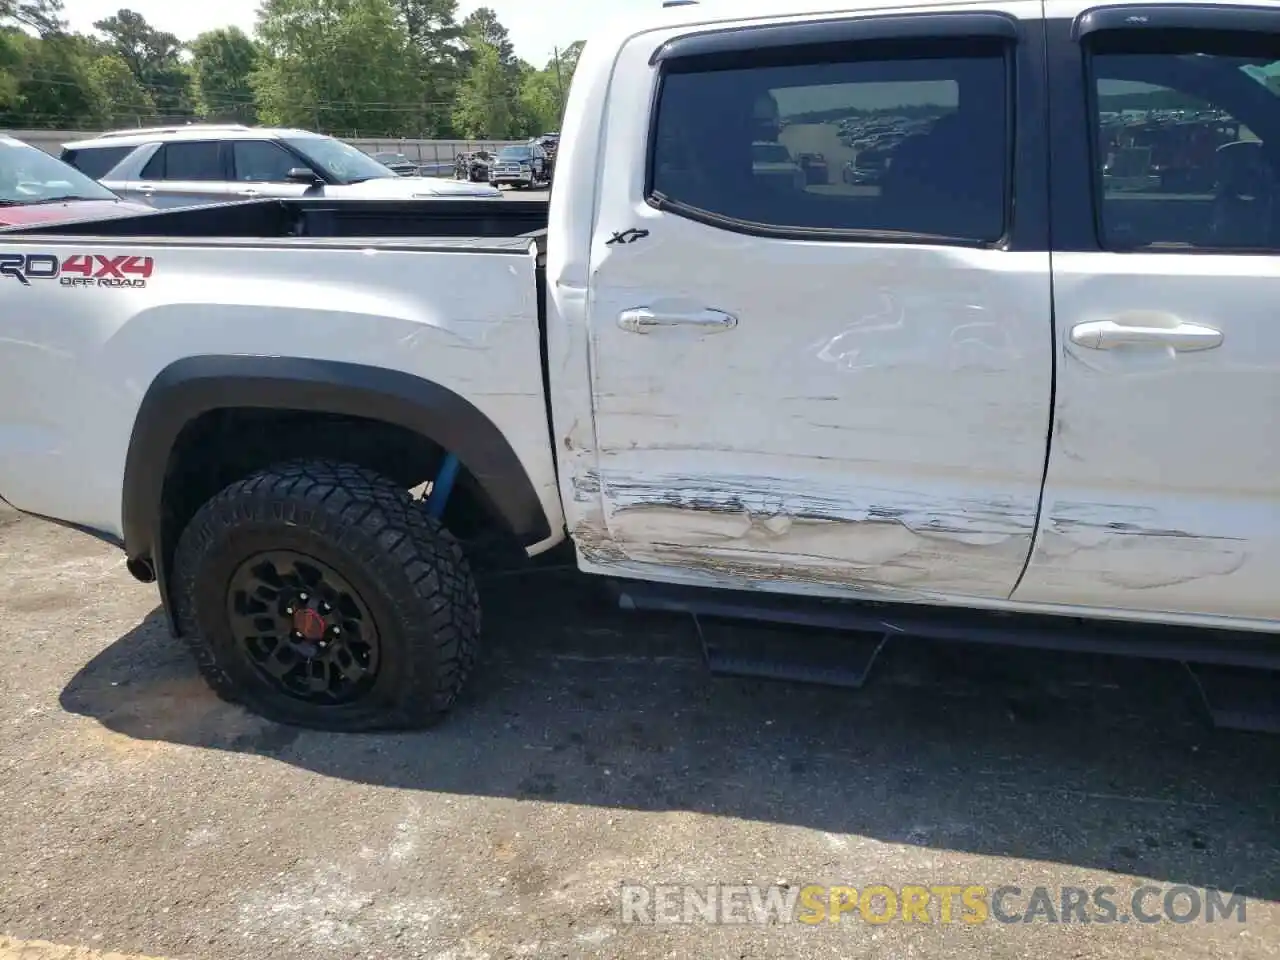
(222, 446)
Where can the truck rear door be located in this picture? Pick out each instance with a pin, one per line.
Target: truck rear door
(1163, 485)
(841, 386)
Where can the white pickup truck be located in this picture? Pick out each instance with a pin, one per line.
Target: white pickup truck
(997, 379)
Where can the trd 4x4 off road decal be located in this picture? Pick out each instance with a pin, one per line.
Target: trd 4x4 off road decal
(79, 270)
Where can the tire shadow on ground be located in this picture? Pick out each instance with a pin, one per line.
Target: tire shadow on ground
(1097, 762)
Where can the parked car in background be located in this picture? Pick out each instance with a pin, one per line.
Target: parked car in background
(520, 165)
(472, 167)
(867, 169)
(814, 166)
(399, 164)
(551, 143)
(38, 188)
(772, 162)
(211, 163)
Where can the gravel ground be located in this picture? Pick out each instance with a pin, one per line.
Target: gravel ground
(143, 817)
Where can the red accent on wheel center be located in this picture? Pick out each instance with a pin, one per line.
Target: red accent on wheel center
(310, 624)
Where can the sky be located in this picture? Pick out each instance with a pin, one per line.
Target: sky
(536, 28)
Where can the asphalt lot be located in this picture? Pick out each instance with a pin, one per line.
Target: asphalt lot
(144, 817)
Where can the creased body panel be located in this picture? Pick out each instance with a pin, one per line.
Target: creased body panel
(1163, 488)
(866, 417)
(79, 358)
(878, 419)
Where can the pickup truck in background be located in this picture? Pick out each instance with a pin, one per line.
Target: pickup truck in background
(985, 385)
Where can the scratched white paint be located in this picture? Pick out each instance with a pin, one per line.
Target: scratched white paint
(77, 362)
(878, 416)
(1163, 487)
(881, 404)
(874, 425)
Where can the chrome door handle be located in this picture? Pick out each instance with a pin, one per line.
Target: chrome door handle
(642, 320)
(146, 189)
(249, 193)
(1109, 334)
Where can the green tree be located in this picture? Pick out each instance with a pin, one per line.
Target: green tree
(44, 17)
(483, 27)
(52, 83)
(19, 20)
(490, 95)
(543, 92)
(153, 57)
(337, 66)
(120, 99)
(484, 107)
(436, 37)
(568, 61)
(222, 61)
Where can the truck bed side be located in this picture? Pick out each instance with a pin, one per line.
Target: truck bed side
(90, 322)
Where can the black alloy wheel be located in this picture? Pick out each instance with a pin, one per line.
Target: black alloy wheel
(320, 594)
(304, 627)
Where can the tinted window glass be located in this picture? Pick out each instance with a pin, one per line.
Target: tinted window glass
(916, 145)
(154, 168)
(340, 162)
(1187, 144)
(187, 161)
(29, 175)
(95, 161)
(258, 161)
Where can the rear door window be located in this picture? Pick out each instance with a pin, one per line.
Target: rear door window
(917, 141)
(95, 162)
(1187, 142)
(198, 160)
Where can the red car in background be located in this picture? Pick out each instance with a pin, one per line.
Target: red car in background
(38, 188)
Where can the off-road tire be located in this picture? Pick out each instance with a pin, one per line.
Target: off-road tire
(409, 570)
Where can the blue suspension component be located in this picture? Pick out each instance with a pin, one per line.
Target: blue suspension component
(443, 486)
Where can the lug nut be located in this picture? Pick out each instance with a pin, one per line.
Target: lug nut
(302, 597)
(288, 611)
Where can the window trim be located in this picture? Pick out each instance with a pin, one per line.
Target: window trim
(1011, 46)
(842, 31)
(1169, 16)
(1097, 189)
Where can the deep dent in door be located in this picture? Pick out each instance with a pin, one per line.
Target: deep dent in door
(739, 528)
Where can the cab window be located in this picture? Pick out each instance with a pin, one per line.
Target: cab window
(1186, 134)
(914, 142)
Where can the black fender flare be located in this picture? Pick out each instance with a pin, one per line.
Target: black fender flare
(197, 385)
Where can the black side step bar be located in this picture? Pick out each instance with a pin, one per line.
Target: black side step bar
(1225, 648)
(1224, 664)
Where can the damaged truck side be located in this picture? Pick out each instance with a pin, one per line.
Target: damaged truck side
(1030, 367)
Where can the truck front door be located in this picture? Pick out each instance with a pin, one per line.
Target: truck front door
(844, 387)
(1163, 487)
